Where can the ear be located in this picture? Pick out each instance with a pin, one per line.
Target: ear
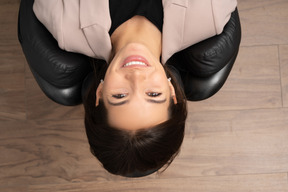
(172, 90)
(98, 93)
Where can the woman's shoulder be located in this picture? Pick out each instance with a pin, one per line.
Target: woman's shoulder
(187, 22)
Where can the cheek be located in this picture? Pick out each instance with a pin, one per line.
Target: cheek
(112, 78)
(160, 79)
(160, 74)
(114, 84)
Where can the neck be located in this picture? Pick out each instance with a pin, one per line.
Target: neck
(137, 30)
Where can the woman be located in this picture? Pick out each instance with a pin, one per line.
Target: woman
(135, 115)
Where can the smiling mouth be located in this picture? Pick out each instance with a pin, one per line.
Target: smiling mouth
(135, 61)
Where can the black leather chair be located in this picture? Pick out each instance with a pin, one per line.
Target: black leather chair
(203, 67)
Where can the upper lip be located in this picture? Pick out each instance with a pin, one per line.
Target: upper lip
(135, 61)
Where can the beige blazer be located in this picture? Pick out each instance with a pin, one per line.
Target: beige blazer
(82, 26)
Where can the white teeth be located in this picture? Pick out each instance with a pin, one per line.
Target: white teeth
(134, 63)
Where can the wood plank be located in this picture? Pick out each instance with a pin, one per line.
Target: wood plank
(12, 59)
(8, 29)
(12, 96)
(251, 183)
(12, 79)
(283, 55)
(2, 2)
(23, 188)
(264, 22)
(254, 83)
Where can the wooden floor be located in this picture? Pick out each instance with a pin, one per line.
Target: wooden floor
(235, 141)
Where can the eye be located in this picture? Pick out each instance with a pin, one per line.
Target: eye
(153, 94)
(119, 96)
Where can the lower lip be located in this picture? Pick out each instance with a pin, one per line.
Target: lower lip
(136, 58)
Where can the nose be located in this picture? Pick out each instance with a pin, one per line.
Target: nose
(136, 76)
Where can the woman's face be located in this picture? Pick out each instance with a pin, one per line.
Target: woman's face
(135, 91)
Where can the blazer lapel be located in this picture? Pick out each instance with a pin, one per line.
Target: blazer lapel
(95, 22)
(183, 3)
(173, 27)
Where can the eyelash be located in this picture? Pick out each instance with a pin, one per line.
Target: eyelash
(153, 94)
(119, 96)
(150, 94)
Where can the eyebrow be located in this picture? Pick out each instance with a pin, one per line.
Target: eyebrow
(156, 101)
(127, 101)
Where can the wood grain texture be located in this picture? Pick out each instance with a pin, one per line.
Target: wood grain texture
(283, 54)
(12, 70)
(234, 141)
(251, 183)
(46, 152)
(264, 22)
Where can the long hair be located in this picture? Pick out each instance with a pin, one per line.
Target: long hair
(125, 152)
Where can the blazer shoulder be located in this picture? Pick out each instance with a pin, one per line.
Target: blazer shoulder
(62, 20)
(222, 10)
(189, 22)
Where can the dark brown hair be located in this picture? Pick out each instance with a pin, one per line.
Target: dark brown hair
(137, 153)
